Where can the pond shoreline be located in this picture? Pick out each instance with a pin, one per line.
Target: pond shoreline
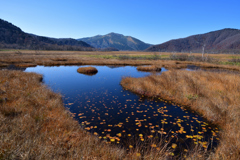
(35, 124)
(122, 155)
(173, 85)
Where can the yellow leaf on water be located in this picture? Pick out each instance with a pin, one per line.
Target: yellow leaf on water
(112, 140)
(119, 134)
(174, 145)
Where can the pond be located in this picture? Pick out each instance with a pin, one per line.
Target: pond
(115, 115)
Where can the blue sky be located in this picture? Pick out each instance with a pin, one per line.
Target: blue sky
(152, 21)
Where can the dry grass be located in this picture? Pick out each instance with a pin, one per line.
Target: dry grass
(149, 68)
(214, 95)
(35, 125)
(55, 58)
(87, 70)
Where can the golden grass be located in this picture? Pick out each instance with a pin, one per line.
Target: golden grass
(35, 125)
(87, 70)
(24, 65)
(149, 68)
(214, 95)
(56, 58)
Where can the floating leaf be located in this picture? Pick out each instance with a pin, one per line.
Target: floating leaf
(174, 145)
(112, 140)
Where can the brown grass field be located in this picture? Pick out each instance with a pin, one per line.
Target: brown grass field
(216, 96)
(29, 58)
(34, 124)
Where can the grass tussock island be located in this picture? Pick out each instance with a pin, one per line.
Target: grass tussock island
(214, 95)
(149, 68)
(87, 70)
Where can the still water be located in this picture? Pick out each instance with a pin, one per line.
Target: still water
(115, 115)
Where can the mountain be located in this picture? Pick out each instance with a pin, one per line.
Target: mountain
(13, 37)
(115, 40)
(221, 41)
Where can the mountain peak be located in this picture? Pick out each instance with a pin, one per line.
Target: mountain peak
(232, 29)
(116, 40)
(114, 34)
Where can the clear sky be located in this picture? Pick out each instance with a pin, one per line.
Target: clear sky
(152, 21)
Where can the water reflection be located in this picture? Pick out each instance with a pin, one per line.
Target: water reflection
(89, 74)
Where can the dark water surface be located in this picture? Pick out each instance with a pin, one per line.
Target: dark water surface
(118, 116)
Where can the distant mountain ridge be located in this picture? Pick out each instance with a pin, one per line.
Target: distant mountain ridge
(115, 40)
(221, 41)
(13, 37)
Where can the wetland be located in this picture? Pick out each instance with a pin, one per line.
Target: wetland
(118, 116)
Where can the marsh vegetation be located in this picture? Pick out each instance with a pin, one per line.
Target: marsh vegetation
(87, 70)
(213, 95)
(149, 68)
(115, 123)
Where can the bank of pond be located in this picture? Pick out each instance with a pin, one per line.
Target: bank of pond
(118, 116)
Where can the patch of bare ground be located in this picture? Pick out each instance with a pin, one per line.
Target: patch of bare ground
(214, 95)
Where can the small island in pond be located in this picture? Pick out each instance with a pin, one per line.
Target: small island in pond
(149, 68)
(87, 70)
